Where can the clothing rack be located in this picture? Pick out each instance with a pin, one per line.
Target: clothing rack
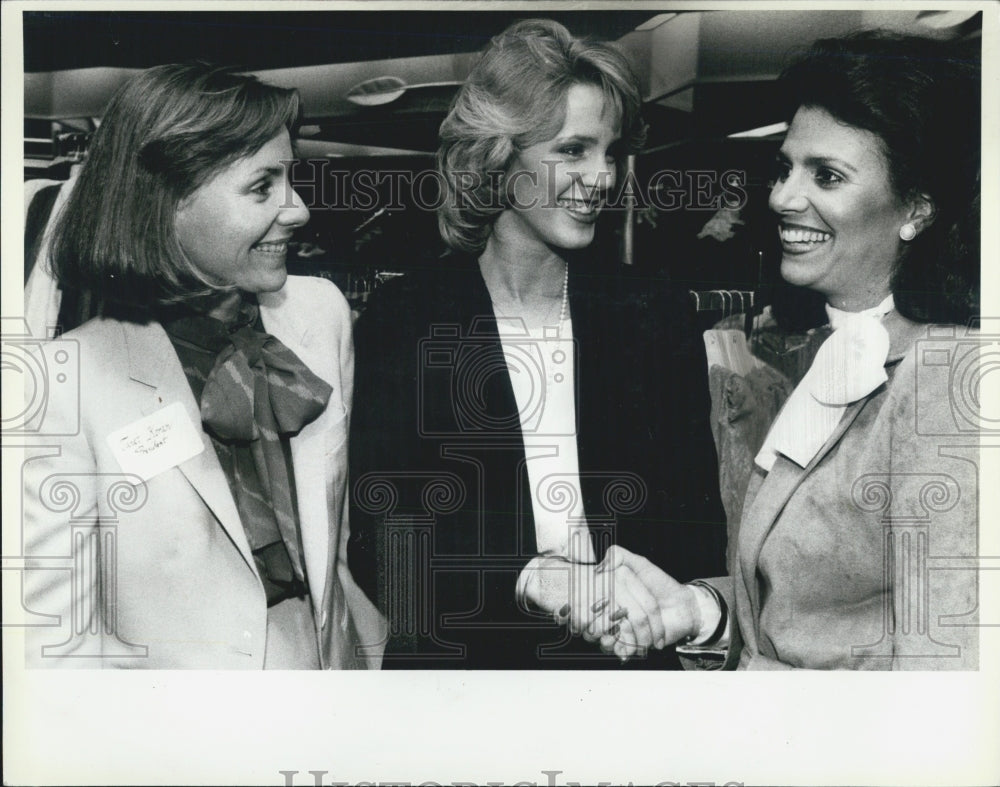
(52, 148)
(721, 304)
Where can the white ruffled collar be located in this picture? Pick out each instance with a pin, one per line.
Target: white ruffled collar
(838, 317)
(849, 365)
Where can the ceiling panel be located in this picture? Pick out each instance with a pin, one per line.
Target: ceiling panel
(703, 74)
(265, 40)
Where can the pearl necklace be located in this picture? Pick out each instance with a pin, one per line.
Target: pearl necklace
(557, 354)
(563, 306)
(564, 309)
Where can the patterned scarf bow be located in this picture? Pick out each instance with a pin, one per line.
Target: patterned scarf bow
(260, 388)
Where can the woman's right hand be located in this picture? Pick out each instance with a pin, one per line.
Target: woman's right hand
(679, 612)
(612, 606)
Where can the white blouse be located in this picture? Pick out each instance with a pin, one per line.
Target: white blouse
(540, 362)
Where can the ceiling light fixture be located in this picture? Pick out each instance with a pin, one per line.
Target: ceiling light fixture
(762, 131)
(384, 90)
(942, 20)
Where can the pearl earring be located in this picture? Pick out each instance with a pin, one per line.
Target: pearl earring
(908, 232)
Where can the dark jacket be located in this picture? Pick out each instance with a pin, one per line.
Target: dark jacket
(441, 519)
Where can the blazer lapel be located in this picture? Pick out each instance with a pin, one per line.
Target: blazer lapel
(902, 334)
(591, 394)
(761, 513)
(468, 304)
(313, 476)
(153, 362)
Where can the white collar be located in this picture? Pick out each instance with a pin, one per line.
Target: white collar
(838, 317)
(849, 365)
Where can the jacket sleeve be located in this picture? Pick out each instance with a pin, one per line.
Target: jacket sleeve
(61, 527)
(382, 429)
(336, 305)
(683, 412)
(717, 658)
(930, 513)
(367, 621)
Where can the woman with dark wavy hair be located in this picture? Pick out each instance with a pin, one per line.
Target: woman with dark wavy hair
(512, 421)
(193, 514)
(866, 488)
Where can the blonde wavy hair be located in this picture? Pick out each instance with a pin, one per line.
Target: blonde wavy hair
(513, 98)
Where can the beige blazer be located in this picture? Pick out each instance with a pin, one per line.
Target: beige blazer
(160, 574)
(866, 558)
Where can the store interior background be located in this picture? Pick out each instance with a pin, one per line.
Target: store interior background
(707, 77)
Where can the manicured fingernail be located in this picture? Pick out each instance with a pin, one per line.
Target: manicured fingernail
(599, 605)
(564, 610)
(619, 613)
(661, 644)
(614, 629)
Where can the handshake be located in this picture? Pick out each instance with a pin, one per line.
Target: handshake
(624, 602)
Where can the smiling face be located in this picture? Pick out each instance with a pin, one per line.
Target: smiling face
(839, 217)
(556, 188)
(235, 227)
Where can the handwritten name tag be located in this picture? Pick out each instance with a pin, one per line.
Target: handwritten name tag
(156, 443)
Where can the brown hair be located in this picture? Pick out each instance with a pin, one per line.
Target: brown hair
(921, 98)
(166, 132)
